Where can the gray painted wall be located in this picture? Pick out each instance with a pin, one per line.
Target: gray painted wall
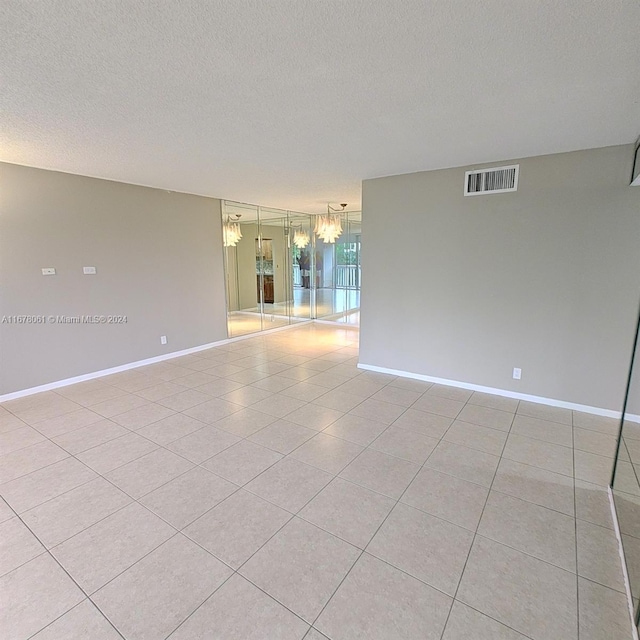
(159, 262)
(546, 279)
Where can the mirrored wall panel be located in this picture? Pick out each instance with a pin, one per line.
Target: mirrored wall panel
(626, 479)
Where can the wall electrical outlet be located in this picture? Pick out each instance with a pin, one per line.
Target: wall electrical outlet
(163, 339)
(89, 271)
(517, 373)
(48, 271)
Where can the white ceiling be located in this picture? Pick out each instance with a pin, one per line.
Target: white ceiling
(291, 103)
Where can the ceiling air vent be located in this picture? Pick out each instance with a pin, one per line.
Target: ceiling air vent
(494, 180)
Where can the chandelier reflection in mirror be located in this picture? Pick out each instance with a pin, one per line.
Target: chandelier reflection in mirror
(329, 227)
(231, 233)
(301, 238)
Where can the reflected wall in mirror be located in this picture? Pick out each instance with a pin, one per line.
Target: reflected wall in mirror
(626, 478)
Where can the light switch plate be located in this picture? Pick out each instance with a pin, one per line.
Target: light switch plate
(48, 271)
(89, 271)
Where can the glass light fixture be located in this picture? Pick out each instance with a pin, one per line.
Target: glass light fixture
(231, 233)
(329, 227)
(301, 238)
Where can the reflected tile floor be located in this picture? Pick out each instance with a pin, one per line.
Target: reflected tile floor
(270, 489)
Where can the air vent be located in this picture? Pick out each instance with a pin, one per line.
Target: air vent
(494, 180)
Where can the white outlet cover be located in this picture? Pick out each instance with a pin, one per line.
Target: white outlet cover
(48, 271)
(89, 271)
(163, 339)
(517, 373)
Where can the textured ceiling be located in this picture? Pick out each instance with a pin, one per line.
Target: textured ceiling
(291, 103)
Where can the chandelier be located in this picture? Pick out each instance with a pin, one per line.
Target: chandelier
(301, 238)
(231, 233)
(329, 227)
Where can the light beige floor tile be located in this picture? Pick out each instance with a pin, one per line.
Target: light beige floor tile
(326, 379)
(378, 602)
(184, 400)
(462, 462)
(428, 424)
(20, 463)
(305, 391)
(544, 455)
(17, 545)
(101, 394)
(9, 422)
(172, 428)
(39, 486)
(248, 376)
(301, 567)
(544, 412)
(593, 468)
(548, 489)
(597, 547)
(245, 422)
(314, 416)
(240, 611)
(246, 396)
(607, 426)
(447, 497)
(186, 498)
(203, 444)
(116, 406)
(604, 613)
(592, 504)
(91, 436)
(530, 528)
(412, 385)
(452, 393)
(627, 510)
(465, 623)
(339, 400)
(594, 442)
(83, 621)
(56, 406)
(19, 439)
(143, 602)
(274, 384)
(405, 444)
(212, 410)
(289, 484)
(98, 554)
(141, 476)
(60, 518)
(494, 402)
(197, 378)
(160, 390)
(426, 547)
(115, 453)
(397, 395)
(327, 453)
(545, 430)
(476, 437)
(348, 511)
(486, 417)
(514, 589)
(142, 416)
(353, 428)
(219, 387)
(236, 528)
(439, 406)
(5, 511)
(242, 462)
(34, 595)
(68, 422)
(380, 472)
(278, 405)
(376, 410)
(282, 436)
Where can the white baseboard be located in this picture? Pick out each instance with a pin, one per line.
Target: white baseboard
(552, 402)
(623, 561)
(138, 363)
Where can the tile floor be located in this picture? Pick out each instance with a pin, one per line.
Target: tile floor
(269, 489)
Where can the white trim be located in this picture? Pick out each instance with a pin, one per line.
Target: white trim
(138, 363)
(552, 402)
(627, 584)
